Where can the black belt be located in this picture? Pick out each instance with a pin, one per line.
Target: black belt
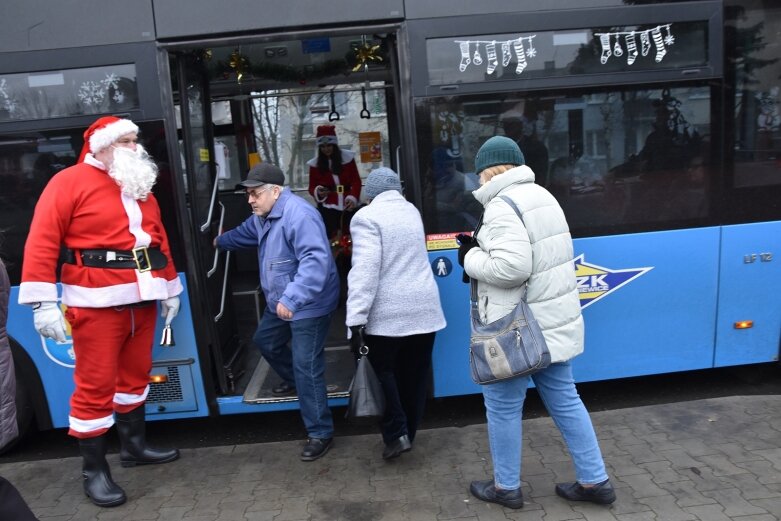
(141, 259)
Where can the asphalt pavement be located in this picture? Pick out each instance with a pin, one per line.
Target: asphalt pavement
(712, 460)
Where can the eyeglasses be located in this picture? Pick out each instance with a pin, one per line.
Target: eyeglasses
(255, 194)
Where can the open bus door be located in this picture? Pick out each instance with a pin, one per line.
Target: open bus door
(216, 324)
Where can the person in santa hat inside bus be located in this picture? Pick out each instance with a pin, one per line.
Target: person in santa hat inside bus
(117, 267)
(334, 181)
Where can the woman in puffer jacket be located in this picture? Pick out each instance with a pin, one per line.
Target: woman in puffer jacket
(507, 257)
(12, 505)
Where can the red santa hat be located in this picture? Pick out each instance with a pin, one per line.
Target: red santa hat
(104, 132)
(326, 135)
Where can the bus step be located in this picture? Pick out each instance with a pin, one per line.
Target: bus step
(339, 369)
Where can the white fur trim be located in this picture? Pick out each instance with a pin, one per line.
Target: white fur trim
(109, 296)
(103, 137)
(79, 425)
(325, 140)
(130, 399)
(30, 292)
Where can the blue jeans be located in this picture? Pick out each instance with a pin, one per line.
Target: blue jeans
(504, 409)
(302, 364)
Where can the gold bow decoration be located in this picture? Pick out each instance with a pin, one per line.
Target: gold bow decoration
(365, 53)
(239, 63)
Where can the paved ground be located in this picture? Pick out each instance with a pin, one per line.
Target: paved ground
(711, 460)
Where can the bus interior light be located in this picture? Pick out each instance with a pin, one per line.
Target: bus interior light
(744, 324)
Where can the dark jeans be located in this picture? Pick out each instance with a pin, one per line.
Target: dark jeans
(402, 365)
(302, 364)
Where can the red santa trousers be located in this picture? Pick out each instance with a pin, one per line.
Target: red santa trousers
(113, 348)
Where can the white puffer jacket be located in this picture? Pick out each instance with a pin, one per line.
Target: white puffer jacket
(541, 252)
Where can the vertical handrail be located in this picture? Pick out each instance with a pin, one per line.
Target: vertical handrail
(217, 250)
(224, 287)
(205, 226)
(398, 160)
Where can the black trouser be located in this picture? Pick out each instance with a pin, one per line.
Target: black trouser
(335, 220)
(402, 365)
(12, 504)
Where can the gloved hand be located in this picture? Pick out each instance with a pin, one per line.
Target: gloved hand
(49, 321)
(170, 308)
(356, 339)
(466, 243)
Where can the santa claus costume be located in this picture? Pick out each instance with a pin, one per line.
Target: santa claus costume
(334, 181)
(117, 266)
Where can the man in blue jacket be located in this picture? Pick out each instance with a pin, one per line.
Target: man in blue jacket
(298, 278)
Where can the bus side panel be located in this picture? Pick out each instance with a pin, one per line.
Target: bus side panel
(181, 397)
(662, 320)
(750, 283)
(451, 346)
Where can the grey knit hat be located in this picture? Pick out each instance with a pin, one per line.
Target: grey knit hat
(381, 180)
(498, 150)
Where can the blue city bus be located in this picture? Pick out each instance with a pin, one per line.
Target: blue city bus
(655, 124)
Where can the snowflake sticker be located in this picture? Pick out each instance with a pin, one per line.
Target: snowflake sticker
(111, 80)
(531, 52)
(669, 39)
(91, 93)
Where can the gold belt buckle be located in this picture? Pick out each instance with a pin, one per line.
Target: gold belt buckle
(145, 257)
(339, 189)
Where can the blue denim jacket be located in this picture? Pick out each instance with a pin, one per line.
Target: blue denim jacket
(296, 264)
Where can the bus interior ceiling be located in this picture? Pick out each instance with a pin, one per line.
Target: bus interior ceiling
(267, 100)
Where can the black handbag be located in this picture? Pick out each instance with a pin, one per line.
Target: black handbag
(367, 398)
(510, 347)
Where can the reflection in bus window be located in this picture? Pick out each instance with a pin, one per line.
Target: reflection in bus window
(620, 159)
(753, 57)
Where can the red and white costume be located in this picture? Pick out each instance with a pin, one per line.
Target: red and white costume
(83, 208)
(339, 188)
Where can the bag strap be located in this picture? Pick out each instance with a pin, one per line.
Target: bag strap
(514, 207)
(473, 282)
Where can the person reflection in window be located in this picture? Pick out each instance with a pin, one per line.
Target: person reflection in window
(453, 191)
(521, 128)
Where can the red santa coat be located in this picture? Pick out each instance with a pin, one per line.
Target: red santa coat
(349, 179)
(83, 208)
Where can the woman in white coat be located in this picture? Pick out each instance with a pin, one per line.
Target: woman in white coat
(393, 304)
(507, 257)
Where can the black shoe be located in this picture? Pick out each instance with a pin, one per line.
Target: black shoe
(396, 447)
(315, 448)
(284, 389)
(601, 493)
(487, 491)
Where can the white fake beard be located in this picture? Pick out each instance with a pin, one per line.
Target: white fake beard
(134, 172)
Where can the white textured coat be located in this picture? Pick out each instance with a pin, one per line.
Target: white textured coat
(540, 252)
(391, 287)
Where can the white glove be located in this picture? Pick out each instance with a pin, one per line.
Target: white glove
(49, 321)
(170, 308)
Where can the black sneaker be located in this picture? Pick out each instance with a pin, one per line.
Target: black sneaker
(487, 491)
(315, 448)
(601, 493)
(284, 389)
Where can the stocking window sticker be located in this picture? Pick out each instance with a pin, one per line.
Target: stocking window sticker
(61, 353)
(472, 51)
(626, 42)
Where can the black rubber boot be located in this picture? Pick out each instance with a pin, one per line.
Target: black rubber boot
(131, 427)
(98, 485)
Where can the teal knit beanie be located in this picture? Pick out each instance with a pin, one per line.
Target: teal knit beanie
(498, 150)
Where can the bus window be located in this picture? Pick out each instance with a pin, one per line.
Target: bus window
(752, 54)
(617, 160)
